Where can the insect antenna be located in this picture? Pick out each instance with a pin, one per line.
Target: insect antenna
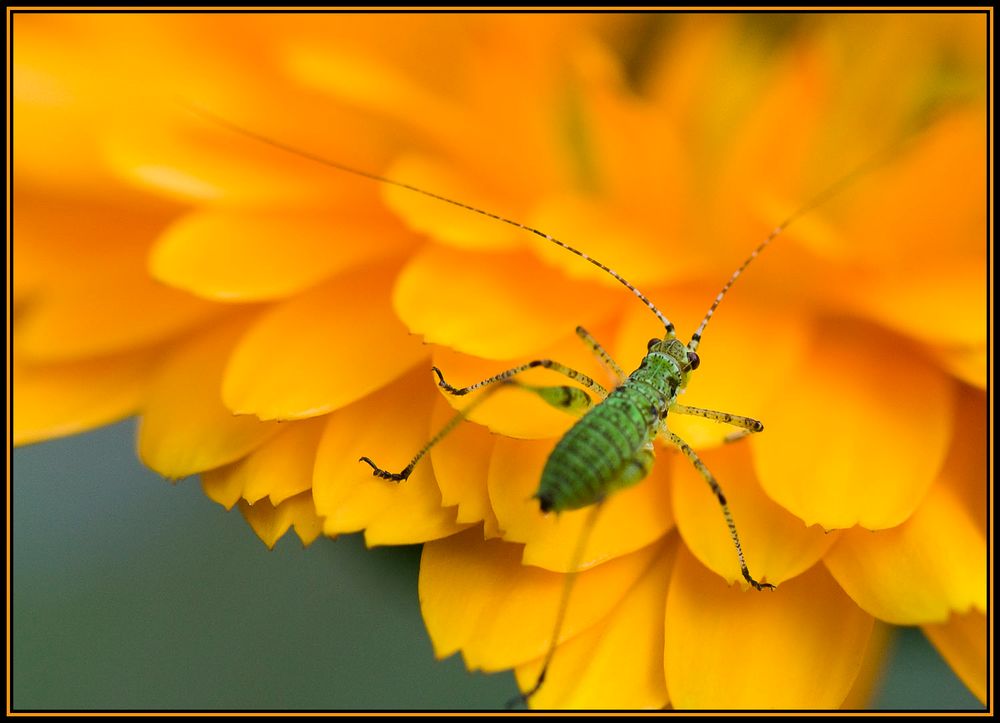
(819, 199)
(375, 177)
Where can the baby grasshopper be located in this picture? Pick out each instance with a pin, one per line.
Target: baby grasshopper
(611, 446)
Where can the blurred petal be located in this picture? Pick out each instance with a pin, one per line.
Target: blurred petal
(321, 350)
(390, 426)
(839, 445)
(85, 291)
(271, 522)
(971, 365)
(184, 428)
(477, 597)
(455, 225)
(55, 400)
(629, 520)
(862, 692)
(963, 642)
(461, 463)
(776, 544)
(497, 305)
(249, 255)
(617, 663)
(722, 642)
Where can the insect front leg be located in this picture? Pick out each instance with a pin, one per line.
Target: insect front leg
(452, 423)
(710, 478)
(555, 366)
(566, 398)
(748, 425)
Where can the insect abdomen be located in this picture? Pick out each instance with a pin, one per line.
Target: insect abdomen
(596, 452)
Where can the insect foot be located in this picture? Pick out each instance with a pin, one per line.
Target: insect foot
(446, 386)
(394, 476)
(756, 585)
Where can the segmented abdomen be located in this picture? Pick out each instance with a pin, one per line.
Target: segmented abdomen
(597, 450)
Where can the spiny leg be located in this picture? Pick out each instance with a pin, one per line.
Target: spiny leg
(710, 478)
(452, 423)
(566, 398)
(555, 366)
(749, 426)
(600, 353)
(568, 581)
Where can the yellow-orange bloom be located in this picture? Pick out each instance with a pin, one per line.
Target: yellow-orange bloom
(272, 319)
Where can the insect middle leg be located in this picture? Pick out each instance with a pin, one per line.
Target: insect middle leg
(710, 478)
(748, 426)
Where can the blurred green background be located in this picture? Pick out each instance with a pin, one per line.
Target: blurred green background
(131, 593)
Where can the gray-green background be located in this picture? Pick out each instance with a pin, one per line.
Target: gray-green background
(131, 593)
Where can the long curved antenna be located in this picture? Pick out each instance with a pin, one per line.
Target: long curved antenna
(817, 200)
(375, 177)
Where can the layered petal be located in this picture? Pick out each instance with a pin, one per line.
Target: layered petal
(271, 522)
(477, 597)
(839, 445)
(389, 426)
(278, 469)
(244, 254)
(617, 663)
(776, 544)
(963, 641)
(53, 400)
(497, 306)
(629, 520)
(800, 646)
(321, 350)
(184, 427)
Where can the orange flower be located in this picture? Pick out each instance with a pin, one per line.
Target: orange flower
(264, 313)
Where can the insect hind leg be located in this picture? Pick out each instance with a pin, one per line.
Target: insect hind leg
(710, 479)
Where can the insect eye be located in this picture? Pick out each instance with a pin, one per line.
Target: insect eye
(693, 360)
(651, 342)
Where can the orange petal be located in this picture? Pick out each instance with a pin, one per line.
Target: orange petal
(496, 305)
(184, 427)
(776, 544)
(962, 641)
(477, 597)
(969, 364)
(461, 464)
(321, 350)
(271, 522)
(251, 255)
(630, 519)
(60, 399)
(223, 485)
(390, 426)
(918, 572)
(278, 469)
(617, 663)
(722, 642)
(838, 448)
